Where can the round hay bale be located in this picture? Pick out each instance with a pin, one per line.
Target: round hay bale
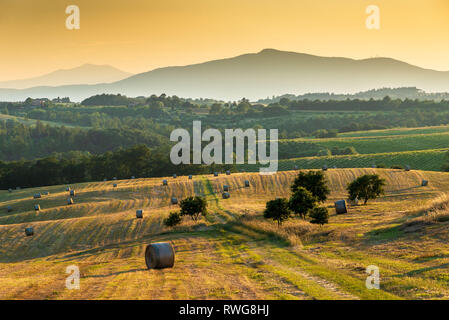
(325, 168)
(37, 196)
(29, 231)
(225, 188)
(174, 200)
(226, 195)
(215, 174)
(164, 182)
(72, 193)
(139, 214)
(114, 185)
(159, 255)
(246, 183)
(340, 207)
(424, 183)
(9, 208)
(69, 201)
(37, 207)
(174, 175)
(228, 173)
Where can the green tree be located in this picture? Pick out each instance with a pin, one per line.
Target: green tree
(369, 186)
(193, 207)
(313, 181)
(277, 210)
(173, 219)
(302, 201)
(319, 215)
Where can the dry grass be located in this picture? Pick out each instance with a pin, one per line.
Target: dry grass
(234, 253)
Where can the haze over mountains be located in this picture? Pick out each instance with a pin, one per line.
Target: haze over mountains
(85, 74)
(257, 75)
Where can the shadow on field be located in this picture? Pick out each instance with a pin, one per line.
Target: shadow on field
(113, 273)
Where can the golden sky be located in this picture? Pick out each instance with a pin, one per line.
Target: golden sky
(140, 35)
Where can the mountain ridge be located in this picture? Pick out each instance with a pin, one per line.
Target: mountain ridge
(258, 75)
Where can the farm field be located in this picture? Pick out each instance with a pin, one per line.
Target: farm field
(233, 253)
(383, 143)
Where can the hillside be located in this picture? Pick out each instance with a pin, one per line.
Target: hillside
(85, 74)
(233, 253)
(257, 75)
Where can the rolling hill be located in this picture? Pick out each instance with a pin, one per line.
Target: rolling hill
(257, 75)
(233, 253)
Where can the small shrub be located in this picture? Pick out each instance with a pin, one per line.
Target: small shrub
(193, 207)
(319, 215)
(173, 219)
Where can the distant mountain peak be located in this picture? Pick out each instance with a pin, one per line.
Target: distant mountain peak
(84, 74)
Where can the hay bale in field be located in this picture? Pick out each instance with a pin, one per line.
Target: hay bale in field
(139, 214)
(174, 175)
(37, 196)
(9, 190)
(246, 183)
(225, 188)
(190, 177)
(424, 183)
(9, 208)
(114, 185)
(407, 168)
(228, 173)
(159, 255)
(69, 201)
(72, 193)
(226, 195)
(164, 182)
(174, 200)
(37, 207)
(324, 168)
(29, 231)
(340, 207)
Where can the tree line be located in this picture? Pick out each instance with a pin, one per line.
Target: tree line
(139, 161)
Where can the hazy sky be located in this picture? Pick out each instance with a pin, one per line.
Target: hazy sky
(140, 35)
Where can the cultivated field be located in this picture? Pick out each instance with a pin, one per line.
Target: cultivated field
(234, 253)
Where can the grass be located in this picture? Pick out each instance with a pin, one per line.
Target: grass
(234, 253)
